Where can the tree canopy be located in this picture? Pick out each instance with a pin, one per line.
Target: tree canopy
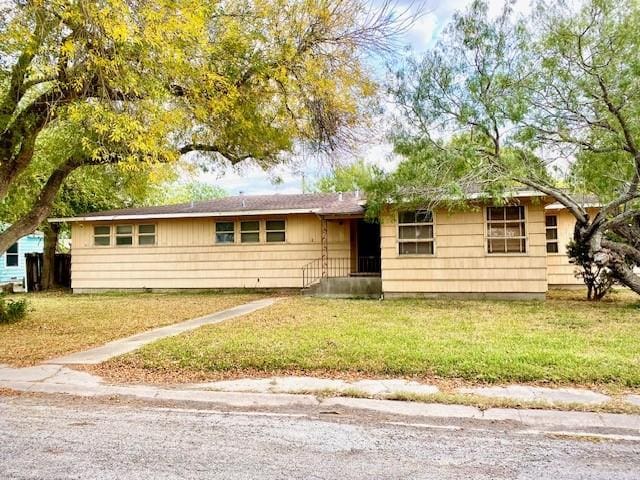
(145, 82)
(547, 101)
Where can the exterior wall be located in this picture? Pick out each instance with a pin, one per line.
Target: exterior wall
(561, 273)
(460, 265)
(29, 244)
(186, 256)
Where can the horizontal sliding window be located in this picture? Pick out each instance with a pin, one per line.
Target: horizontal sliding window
(124, 235)
(276, 231)
(146, 234)
(225, 232)
(250, 231)
(506, 230)
(102, 235)
(415, 233)
(12, 258)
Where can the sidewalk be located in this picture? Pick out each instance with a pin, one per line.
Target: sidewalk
(129, 344)
(58, 379)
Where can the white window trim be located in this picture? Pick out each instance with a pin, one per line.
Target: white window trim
(266, 232)
(425, 240)
(557, 239)
(17, 255)
(525, 238)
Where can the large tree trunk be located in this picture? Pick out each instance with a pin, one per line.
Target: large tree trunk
(51, 232)
(41, 208)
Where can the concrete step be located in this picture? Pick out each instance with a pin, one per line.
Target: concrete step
(346, 287)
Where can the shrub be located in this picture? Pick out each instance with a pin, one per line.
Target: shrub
(12, 310)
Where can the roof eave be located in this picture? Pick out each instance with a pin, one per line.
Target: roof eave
(160, 216)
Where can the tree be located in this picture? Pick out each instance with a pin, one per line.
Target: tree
(180, 192)
(140, 83)
(549, 101)
(348, 178)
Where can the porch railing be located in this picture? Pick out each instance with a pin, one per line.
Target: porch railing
(314, 271)
(369, 265)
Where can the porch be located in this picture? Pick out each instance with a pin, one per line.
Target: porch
(355, 276)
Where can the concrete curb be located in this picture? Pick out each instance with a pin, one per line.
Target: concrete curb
(532, 418)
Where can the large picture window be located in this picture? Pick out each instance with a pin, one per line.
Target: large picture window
(250, 231)
(415, 233)
(552, 233)
(102, 235)
(506, 230)
(224, 232)
(276, 231)
(12, 258)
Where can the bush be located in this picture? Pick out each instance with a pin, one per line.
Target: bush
(12, 310)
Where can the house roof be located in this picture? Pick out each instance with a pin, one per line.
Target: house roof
(586, 200)
(350, 203)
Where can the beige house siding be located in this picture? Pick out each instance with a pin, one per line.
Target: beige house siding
(560, 271)
(461, 264)
(186, 256)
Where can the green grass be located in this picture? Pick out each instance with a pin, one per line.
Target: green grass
(60, 323)
(564, 340)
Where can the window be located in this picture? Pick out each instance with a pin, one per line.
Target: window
(415, 233)
(124, 235)
(250, 231)
(224, 232)
(506, 230)
(552, 233)
(102, 235)
(276, 231)
(12, 257)
(146, 234)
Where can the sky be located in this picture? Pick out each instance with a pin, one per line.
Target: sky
(432, 17)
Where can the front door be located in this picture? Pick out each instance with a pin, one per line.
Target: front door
(367, 247)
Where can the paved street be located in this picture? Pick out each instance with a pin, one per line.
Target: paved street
(68, 438)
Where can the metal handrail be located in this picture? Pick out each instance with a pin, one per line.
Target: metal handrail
(313, 272)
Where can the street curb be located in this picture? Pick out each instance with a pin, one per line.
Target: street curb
(529, 417)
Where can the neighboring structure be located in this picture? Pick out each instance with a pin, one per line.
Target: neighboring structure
(298, 241)
(13, 263)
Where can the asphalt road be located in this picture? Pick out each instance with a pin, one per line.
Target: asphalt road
(67, 439)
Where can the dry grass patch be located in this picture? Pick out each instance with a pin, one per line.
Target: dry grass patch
(563, 341)
(60, 323)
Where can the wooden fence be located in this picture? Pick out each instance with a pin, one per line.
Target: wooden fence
(61, 274)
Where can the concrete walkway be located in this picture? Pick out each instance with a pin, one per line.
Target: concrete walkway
(129, 344)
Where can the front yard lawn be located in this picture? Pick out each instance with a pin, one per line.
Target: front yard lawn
(564, 340)
(61, 323)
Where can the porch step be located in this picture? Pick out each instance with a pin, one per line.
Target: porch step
(346, 287)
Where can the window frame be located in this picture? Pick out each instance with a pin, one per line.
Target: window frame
(102, 235)
(552, 241)
(232, 232)
(145, 234)
(15, 254)
(267, 231)
(258, 231)
(124, 235)
(431, 240)
(524, 221)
